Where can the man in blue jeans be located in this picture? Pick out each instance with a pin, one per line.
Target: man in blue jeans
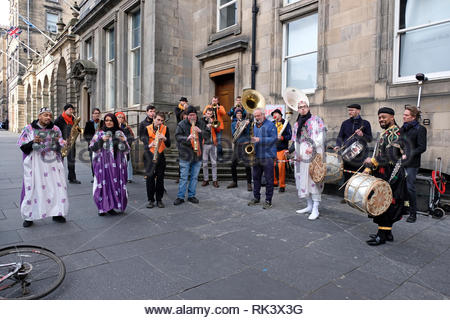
(265, 139)
(189, 142)
(414, 136)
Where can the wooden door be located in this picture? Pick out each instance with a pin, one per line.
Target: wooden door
(225, 93)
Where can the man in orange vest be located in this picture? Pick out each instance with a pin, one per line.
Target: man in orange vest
(219, 111)
(158, 141)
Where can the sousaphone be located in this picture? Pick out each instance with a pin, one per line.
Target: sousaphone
(252, 100)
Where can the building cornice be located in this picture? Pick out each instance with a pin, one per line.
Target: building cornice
(223, 48)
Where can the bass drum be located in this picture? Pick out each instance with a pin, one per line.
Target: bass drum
(334, 166)
(368, 194)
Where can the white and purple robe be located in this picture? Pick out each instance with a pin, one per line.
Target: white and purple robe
(110, 173)
(312, 135)
(44, 189)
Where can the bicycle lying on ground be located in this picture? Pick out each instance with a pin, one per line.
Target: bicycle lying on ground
(29, 272)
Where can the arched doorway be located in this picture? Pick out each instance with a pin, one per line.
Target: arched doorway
(61, 85)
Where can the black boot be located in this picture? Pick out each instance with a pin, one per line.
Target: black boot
(412, 217)
(380, 238)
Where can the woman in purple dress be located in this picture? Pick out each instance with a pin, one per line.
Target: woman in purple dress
(110, 149)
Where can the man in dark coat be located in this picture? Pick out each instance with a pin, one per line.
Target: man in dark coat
(65, 123)
(182, 106)
(90, 129)
(415, 140)
(386, 165)
(143, 136)
(359, 130)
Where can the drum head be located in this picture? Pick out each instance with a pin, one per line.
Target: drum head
(317, 169)
(379, 198)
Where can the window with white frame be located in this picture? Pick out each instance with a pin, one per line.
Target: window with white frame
(300, 53)
(290, 1)
(52, 20)
(226, 13)
(110, 57)
(134, 57)
(88, 46)
(422, 39)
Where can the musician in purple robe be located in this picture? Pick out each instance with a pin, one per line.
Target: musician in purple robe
(110, 149)
(44, 190)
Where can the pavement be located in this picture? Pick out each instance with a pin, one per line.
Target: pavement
(223, 249)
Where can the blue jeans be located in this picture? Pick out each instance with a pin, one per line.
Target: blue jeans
(189, 170)
(411, 186)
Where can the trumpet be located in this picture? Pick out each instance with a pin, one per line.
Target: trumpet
(215, 122)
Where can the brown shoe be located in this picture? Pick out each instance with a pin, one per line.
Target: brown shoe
(249, 187)
(177, 181)
(215, 184)
(205, 183)
(232, 185)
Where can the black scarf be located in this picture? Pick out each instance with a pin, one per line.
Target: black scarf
(301, 120)
(408, 125)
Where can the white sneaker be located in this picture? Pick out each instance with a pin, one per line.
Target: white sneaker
(305, 210)
(308, 208)
(314, 215)
(315, 211)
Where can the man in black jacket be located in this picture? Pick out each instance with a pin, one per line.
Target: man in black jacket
(143, 136)
(415, 140)
(90, 129)
(182, 106)
(65, 123)
(359, 130)
(189, 136)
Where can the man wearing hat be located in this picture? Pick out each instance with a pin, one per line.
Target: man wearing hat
(182, 106)
(354, 129)
(189, 136)
(44, 190)
(282, 145)
(386, 165)
(65, 123)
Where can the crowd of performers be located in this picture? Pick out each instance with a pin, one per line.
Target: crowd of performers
(198, 136)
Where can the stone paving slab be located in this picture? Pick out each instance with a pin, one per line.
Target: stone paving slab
(223, 249)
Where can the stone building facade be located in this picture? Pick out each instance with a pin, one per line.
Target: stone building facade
(26, 93)
(339, 52)
(131, 53)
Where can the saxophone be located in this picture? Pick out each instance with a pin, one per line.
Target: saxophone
(157, 145)
(215, 122)
(74, 132)
(195, 136)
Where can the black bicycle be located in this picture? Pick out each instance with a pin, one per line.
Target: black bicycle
(29, 272)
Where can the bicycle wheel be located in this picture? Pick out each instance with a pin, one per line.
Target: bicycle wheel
(41, 273)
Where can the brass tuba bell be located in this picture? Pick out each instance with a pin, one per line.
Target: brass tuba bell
(252, 100)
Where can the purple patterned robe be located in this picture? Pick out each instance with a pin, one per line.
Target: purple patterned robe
(110, 175)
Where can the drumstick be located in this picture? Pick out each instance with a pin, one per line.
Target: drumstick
(349, 138)
(354, 172)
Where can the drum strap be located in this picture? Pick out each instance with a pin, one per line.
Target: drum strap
(384, 228)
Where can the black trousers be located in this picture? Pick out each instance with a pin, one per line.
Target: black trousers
(155, 178)
(71, 164)
(239, 155)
